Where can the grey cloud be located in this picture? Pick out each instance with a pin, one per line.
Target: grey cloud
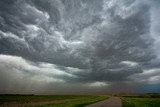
(89, 39)
(38, 78)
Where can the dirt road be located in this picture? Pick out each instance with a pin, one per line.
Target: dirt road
(111, 102)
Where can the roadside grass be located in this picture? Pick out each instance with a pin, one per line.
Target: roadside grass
(51, 100)
(36, 98)
(140, 101)
(80, 102)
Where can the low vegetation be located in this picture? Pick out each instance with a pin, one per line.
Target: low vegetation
(134, 100)
(147, 100)
(49, 100)
(80, 102)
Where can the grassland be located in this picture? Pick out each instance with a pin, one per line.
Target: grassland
(147, 100)
(80, 102)
(134, 100)
(48, 100)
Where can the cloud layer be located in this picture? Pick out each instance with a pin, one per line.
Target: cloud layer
(83, 44)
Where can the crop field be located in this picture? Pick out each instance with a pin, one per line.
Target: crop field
(48, 100)
(152, 100)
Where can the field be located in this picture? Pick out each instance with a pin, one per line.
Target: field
(147, 100)
(131, 100)
(48, 100)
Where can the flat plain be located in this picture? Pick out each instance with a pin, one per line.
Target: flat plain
(124, 100)
(49, 100)
(141, 100)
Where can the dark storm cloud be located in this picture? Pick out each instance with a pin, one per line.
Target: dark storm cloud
(87, 40)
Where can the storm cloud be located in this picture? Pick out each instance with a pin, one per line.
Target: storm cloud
(78, 45)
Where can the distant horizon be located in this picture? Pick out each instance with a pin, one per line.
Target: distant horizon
(80, 94)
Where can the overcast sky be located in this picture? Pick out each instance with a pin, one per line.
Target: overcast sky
(79, 46)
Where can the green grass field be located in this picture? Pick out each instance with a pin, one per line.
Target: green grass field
(134, 100)
(80, 102)
(141, 101)
(49, 100)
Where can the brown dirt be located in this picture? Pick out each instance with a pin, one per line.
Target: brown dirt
(111, 102)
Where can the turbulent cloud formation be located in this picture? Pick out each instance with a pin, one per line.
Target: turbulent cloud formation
(78, 44)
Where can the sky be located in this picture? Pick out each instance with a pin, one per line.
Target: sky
(79, 46)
